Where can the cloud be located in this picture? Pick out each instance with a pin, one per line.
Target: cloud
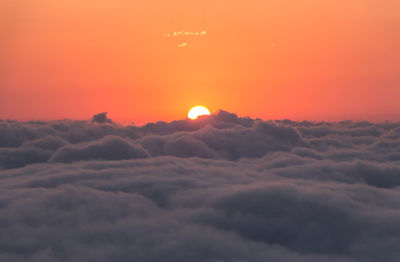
(184, 44)
(108, 148)
(186, 33)
(18, 157)
(221, 188)
(101, 118)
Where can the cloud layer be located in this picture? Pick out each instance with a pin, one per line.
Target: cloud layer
(221, 188)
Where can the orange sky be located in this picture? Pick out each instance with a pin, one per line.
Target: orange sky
(297, 59)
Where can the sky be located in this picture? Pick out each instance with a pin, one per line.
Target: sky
(303, 60)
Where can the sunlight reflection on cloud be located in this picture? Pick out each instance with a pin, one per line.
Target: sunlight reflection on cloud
(185, 33)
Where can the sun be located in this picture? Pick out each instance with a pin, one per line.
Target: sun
(197, 111)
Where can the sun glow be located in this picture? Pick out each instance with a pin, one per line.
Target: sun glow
(197, 111)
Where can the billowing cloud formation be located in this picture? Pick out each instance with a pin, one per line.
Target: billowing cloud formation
(221, 188)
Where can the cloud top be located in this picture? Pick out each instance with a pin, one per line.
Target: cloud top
(220, 188)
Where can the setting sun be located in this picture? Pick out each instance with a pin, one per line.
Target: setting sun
(204, 130)
(197, 111)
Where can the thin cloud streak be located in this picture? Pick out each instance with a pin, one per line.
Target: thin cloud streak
(186, 33)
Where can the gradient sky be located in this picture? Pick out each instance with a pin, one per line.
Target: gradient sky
(297, 59)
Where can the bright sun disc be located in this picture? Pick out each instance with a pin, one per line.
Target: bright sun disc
(197, 111)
